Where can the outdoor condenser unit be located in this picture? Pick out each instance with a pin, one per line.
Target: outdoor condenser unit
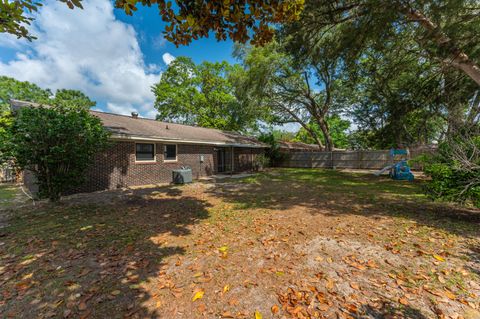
(182, 176)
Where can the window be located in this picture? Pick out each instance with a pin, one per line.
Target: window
(170, 153)
(145, 152)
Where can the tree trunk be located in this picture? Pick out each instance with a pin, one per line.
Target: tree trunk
(457, 58)
(313, 135)
(318, 141)
(326, 134)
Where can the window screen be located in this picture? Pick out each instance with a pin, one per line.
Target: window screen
(145, 152)
(170, 152)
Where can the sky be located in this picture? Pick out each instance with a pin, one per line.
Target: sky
(111, 57)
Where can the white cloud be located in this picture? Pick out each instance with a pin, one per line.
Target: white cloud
(168, 58)
(159, 42)
(87, 50)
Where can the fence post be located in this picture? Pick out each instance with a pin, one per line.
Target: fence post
(360, 159)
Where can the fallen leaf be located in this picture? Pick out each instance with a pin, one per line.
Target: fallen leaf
(202, 307)
(352, 308)
(274, 309)
(115, 292)
(324, 307)
(223, 249)
(354, 286)
(226, 288)
(198, 295)
(82, 306)
(403, 301)
(330, 284)
(258, 315)
(439, 258)
(450, 295)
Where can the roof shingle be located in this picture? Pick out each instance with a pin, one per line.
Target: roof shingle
(128, 127)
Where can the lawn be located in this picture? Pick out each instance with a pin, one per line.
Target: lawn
(288, 243)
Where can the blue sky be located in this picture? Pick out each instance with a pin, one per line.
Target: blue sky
(112, 57)
(149, 26)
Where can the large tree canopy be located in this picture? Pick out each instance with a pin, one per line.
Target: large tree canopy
(303, 92)
(10, 88)
(202, 95)
(446, 30)
(338, 130)
(240, 20)
(57, 145)
(15, 16)
(18, 90)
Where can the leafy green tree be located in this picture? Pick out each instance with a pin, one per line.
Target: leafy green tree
(15, 16)
(57, 145)
(455, 169)
(186, 20)
(397, 97)
(241, 20)
(56, 141)
(14, 89)
(202, 95)
(273, 139)
(292, 91)
(72, 99)
(338, 129)
(18, 90)
(445, 30)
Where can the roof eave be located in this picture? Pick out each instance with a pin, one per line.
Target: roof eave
(132, 137)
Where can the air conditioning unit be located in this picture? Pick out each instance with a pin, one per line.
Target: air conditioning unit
(182, 176)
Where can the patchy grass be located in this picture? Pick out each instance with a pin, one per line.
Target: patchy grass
(7, 192)
(10, 196)
(288, 242)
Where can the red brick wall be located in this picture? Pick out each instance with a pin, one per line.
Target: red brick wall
(116, 167)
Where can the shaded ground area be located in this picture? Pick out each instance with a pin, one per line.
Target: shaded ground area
(11, 196)
(288, 243)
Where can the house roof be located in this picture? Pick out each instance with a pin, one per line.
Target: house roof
(298, 146)
(130, 128)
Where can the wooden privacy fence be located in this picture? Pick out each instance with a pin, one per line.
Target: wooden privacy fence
(340, 159)
(7, 174)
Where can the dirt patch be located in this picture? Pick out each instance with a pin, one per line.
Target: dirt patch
(285, 244)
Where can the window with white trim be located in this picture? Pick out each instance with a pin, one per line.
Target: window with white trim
(145, 152)
(170, 152)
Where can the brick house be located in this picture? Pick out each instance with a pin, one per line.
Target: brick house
(145, 151)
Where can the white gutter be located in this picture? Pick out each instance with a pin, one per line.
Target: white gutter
(128, 137)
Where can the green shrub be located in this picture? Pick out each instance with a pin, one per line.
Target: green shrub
(57, 144)
(261, 161)
(455, 171)
(275, 157)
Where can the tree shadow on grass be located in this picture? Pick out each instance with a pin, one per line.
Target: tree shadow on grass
(87, 260)
(335, 194)
(392, 310)
(338, 193)
(474, 258)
